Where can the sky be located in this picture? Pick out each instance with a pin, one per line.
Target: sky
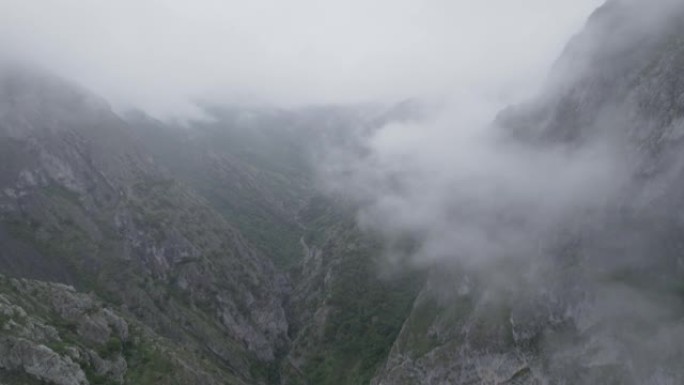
(163, 55)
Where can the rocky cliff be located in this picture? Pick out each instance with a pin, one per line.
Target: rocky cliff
(82, 203)
(53, 334)
(213, 239)
(609, 306)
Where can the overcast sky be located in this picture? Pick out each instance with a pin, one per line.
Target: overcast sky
(157, 54)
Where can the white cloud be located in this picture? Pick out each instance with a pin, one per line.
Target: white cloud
(156, 54)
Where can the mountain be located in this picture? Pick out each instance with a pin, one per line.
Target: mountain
(212, 239)
(605, 306)
(136, 251)
(83, 204)
(256, 167)
(53, 334)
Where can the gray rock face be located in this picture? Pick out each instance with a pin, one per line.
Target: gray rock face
(39, 361)
(78, 195)
(50, 333)
(607, 308)
(27, 337)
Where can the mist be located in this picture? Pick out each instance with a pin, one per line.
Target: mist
(543, 182)
(451, 178)
(162, 56)
(475, 178)
(548, 210)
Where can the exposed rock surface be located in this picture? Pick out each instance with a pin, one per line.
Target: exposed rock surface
(609, 298)
(146, 216)
(50, 333)
(83, 204)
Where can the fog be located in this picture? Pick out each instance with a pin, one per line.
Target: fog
(548, 203)
(469, 187)
(468, 192)
(451, 179)
(575, 204)
(164, 55)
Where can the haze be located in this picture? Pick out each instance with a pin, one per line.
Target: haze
(162, 55)
(518, 196)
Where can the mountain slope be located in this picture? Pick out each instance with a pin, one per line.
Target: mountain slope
(256, 167)
(149, 217)
(608, 305)
(79, 195)
(53, 334)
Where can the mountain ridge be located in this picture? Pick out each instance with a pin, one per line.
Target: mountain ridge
(217, 249)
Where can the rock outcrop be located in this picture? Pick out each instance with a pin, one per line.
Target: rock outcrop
(82, 203)
(605, 297)
(50, 333)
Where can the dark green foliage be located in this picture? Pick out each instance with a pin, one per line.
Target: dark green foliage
(418, 340)
(96, 379)
(111, 348)
(256, 177)
(368, 313)
(4, 319)
(267, 372)
(168, 248)
(148, 365)
(276, 238)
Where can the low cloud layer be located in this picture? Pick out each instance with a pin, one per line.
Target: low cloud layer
(160, 55)
(466, 191)
(452, 186)
(470, 188)
(568, 207)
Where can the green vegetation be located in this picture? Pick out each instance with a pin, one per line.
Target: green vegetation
(418, 340)
(174, 259)
(148, 365)
(111, 348)
(367, 315)
(275, 237)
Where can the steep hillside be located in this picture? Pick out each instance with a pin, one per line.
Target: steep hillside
(53, 334)
(608, 306)
(150, 218)
(346, 309)
(81, 203)
(257, 168)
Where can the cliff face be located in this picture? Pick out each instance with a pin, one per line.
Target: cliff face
(257, 168)
(608, 307)
(213, 240)
(53, 334)
(81, 203)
